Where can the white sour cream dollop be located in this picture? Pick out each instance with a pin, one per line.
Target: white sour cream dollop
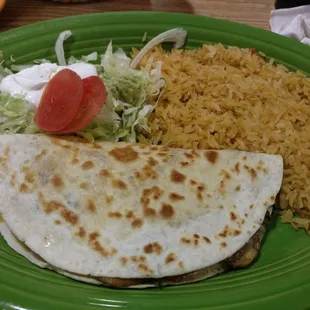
(30, 82)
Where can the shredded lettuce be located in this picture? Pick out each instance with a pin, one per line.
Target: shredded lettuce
(16, 116)
(130, 100)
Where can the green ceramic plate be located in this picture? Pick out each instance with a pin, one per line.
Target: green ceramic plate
(280, 279)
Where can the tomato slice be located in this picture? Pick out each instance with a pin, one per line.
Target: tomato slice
(60, 101)
(91, 104)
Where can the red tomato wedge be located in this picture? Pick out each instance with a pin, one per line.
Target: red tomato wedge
(91, 104)
(60, 101)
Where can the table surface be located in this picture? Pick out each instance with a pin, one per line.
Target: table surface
(19, 13)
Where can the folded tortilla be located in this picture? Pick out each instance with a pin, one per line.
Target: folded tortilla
(119, 212)
(23, 250)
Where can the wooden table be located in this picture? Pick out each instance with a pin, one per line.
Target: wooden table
(19, 13)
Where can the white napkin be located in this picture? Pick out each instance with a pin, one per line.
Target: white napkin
(293, 23)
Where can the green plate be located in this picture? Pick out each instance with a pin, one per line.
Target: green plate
(280, 278)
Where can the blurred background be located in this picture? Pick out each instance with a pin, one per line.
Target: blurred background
(19, 13)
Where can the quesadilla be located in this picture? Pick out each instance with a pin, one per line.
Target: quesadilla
(132, 215)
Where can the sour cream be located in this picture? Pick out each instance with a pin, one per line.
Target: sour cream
(30, 82)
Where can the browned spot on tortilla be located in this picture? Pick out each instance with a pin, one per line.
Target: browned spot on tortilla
(184, 163)
(176, 197)
(177, 177)
(226, 174)
(237, 232)
(105, 173)
(245, 214)
(196, 242)
(137, 223)
(124, 154)
(147, 172)
(69, 216)
(13, 179)
(251, 206)
(129, 214)
(223, 244)
(84, 185)
(93, 236)
(196, 236)
(57, 181)
(166, 210)
(151, 248)
(265, 170)
(108, 199)
(87, 165)
(199, 196)
(185, 240)
(75, 161)
(181, 265)
(244, 157)
(91, 206)
(57, 222)
(145, 268)
(272, 198)
(194, 153)
(149, 212)
(171, 257)
(206, 239)
(237, 167)
(222, 187)
(152, 162)
(211, 156)
(96, 146)
(162, 154)
(193, 182)
(201, 188)
(137, 259)
(41, 154)
(81, 232)
(224, 233)
(138, 175)
(23, 188)
(29, 175)
(238, 188)
(119, 184)
(155, 193)
(188, 155)
(115, 215)
(154, 148)
(51, 206)
(123, 260)
(166, 159)
(251, 172)
(96, 246)
(233, 216)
